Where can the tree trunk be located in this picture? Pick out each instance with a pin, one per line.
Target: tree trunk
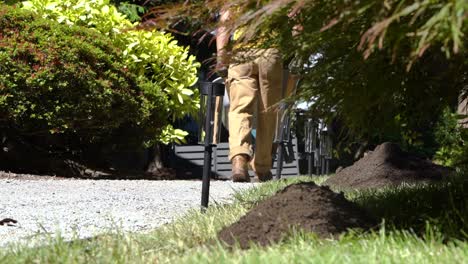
(155, 161)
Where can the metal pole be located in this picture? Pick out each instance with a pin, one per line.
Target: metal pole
(310, 162)
(317, 162)
(209, 122)
(327, 166)
(279, 160)
(322, 164)
(206, 178)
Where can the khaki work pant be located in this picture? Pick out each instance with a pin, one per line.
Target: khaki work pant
(254, 83)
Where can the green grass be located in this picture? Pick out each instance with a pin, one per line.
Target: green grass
(421, 224)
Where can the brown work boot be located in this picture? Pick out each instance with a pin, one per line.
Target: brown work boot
(240, 169)
(264, 176)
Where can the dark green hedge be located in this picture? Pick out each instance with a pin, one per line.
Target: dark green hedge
(69, 81)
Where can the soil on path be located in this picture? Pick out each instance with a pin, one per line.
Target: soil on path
(387, 165)
(305, 206)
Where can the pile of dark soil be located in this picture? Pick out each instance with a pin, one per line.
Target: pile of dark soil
(303, 206)
(387, 165)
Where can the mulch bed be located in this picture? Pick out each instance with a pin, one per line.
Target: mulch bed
(386, 166)
(160, 174)
(305, 206)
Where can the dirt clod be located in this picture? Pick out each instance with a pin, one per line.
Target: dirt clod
(387, 165)
(305, 206)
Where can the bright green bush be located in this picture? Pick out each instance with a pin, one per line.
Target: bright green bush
(69, 80)
(150, 53)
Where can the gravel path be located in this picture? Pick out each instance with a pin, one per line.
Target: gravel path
(89, 207)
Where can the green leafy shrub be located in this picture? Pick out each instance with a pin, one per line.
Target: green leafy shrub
(133, 11)
(146, 52)
(69, 80)
(452, 139)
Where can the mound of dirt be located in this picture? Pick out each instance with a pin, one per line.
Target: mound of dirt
(303, 206)
(387, 165)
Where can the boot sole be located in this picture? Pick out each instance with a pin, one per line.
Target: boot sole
(240, 178)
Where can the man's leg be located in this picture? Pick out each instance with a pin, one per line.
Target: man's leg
(242, 88)
(270, 84)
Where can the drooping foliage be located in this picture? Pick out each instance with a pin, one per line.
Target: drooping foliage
(385, 69)
(71, 82)
(151, 53)
(383, 24)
